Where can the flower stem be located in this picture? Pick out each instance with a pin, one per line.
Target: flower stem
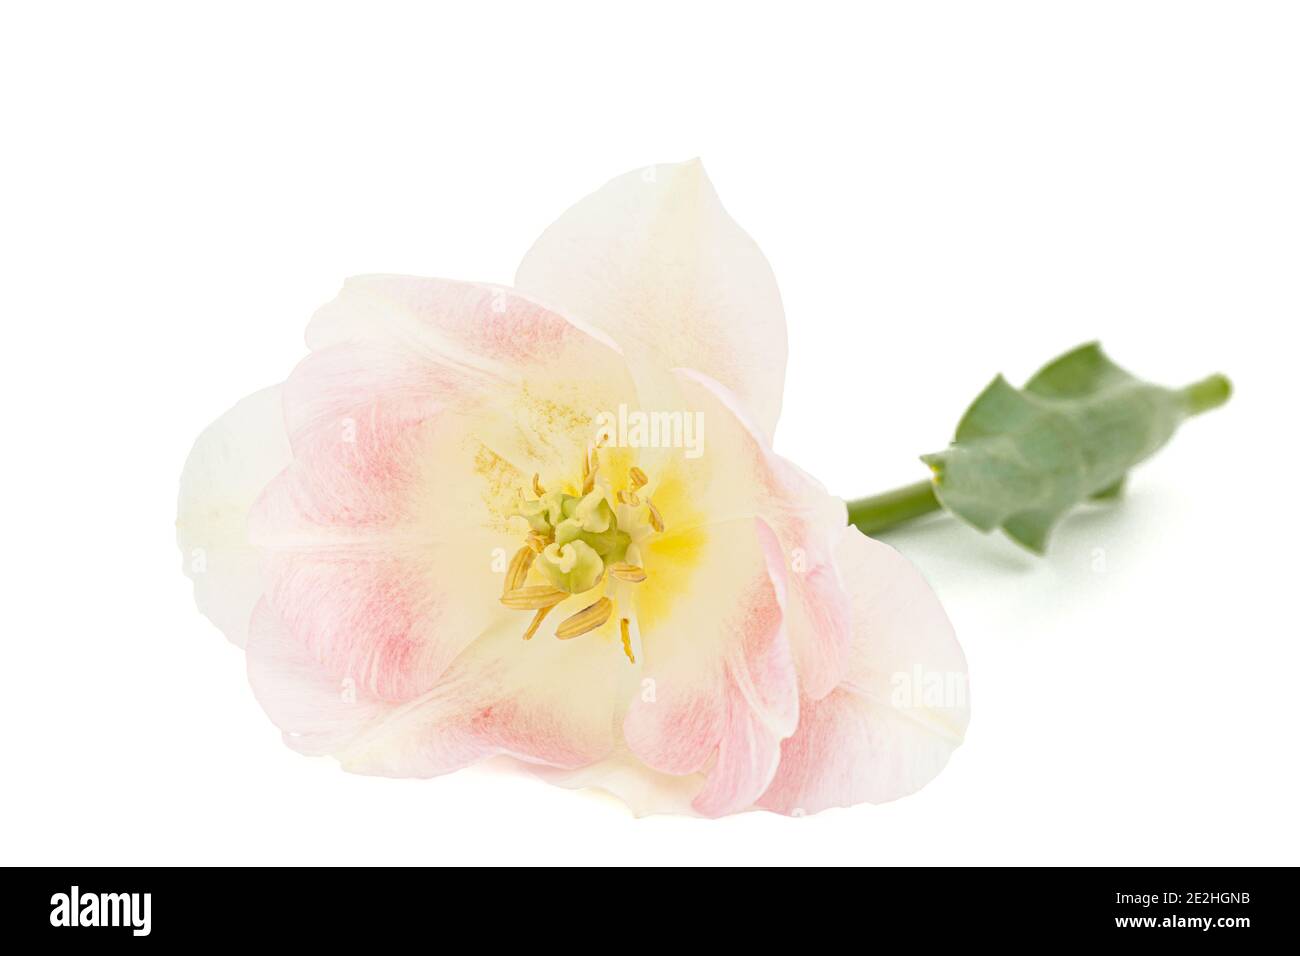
(893, 507)
(1207, 394)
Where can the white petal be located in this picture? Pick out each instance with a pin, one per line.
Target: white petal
(645, 791)
(654, 260)
(890, 727)
(231, 463)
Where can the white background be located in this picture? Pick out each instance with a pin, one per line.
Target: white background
(944, 192)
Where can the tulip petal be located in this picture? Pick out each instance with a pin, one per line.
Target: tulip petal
(732, 604)
(545, 702)
(807, 523)
(654, 260)
(644, 791)
(493, 330)
(890, 727)
(762, 710)
(232, 461)
(538, 380)
(719, 690)
(542, 701)
(317, 712)
(417, 423)
(369, 557)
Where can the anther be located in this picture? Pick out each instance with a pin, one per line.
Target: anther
(627, 572)
(588, 619)
(625, 627)
(656, 519)
(533, 598)
(638, 477)
(517, 572)
(537, 621)
(538, 490)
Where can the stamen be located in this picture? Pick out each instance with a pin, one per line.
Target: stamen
(588, 619)
(537, 622)
(517, 573)
(533, 598)
(558, 518)
(625, 627)
(627, 572)
(656, 519)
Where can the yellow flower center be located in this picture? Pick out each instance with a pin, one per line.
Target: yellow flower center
(578, 543)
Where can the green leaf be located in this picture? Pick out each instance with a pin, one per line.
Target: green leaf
(1022, 458)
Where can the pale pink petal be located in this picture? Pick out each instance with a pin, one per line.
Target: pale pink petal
(762, 708)
(231, 463)
(676, 727)
(417, 424)
(653, 259)
(317, 712)
(488, 329)
(543, 701)
(538, 379)
(807, 523)
(719, 690)
(722, 592)
(890, 727)
(367, 386)
(367, 549)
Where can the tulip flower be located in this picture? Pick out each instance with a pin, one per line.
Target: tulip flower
(546, 523)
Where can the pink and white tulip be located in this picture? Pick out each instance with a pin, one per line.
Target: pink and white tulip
(398, 532)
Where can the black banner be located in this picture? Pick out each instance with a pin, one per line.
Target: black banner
(333, 907)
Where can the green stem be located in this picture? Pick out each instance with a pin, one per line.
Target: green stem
(1208, 393)
(882, 511)
(893, 507)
